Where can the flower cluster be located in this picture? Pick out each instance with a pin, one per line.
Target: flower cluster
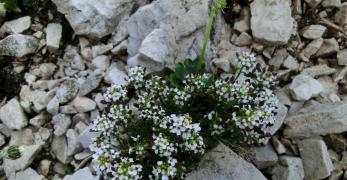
(154, 129)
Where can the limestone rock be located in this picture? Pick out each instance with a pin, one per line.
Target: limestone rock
(12, 115)
(61, 123)
(342, 57)
(91, 83)
(329, 118)
(67, 91)
(83, 104)
(223, 164)
(60, 149)
(329, 47)
(265, 156)
(28, 174)
(271, 21)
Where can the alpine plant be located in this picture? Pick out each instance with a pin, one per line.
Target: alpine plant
(160, 127)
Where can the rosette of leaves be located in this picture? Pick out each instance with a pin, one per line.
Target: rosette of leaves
(160, 127)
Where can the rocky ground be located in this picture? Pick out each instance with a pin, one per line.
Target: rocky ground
(63, 58)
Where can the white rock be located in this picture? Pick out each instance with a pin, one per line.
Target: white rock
(44, 167)
(73, 144)
(83, 104)
(291, 63)
(223, 164)
(94, 18)
(316, 159)
(61, 123)
(289, 168)
(2, 140)
(121, 48)
(53, 106)
(342, 57)
(116, 74)
(159, 46)
(40, 119)
(101, 62)
(304, 87)
(12, 115)
(60, 149)
(53, 36)
(28, 174)
(319, 70)
(271, 21)
(324, 119)
(16, 26)
(84, 174)
(18, 45)
(38, 98)
(313, 31)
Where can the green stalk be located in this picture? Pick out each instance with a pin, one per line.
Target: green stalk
(221, 4)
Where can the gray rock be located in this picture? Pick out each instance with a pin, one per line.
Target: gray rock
(16, 26)
(39, 119)
(304, 87)
(319, 70)
(12, 115)
(291, 63)
(271, 21)
(121, 48)
(83, 104)
(329, 118)
(73, 144)
(28, 174)
(223, 164)
(278, 145)
(116, 74)
(313, 31)
(244, 39)
(84, 174)
(18, 45)
(61, 123)
(91, 83)
(60, 149)
(86, 137)
(67, 91)
(53, 36)
(342, 57)
(102, 62)
(2, 140)
(280, 116)
(159, 46)
(313, 3)
(341, 16)
(72, 57)
(184, 21)
(44, 167)
(265, 156)
(23, 137)
(315, 157)
(47, 70)
(67, 109)
(242, 26)
(28, 155)
(38, 98)
(289, 168)
(311, 49)
(331, 3)
(94, 18)
(329, 47)
(336, 142)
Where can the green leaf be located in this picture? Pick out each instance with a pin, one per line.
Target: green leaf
(10, 5)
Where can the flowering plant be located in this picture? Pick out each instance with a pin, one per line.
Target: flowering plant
(159, 127)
